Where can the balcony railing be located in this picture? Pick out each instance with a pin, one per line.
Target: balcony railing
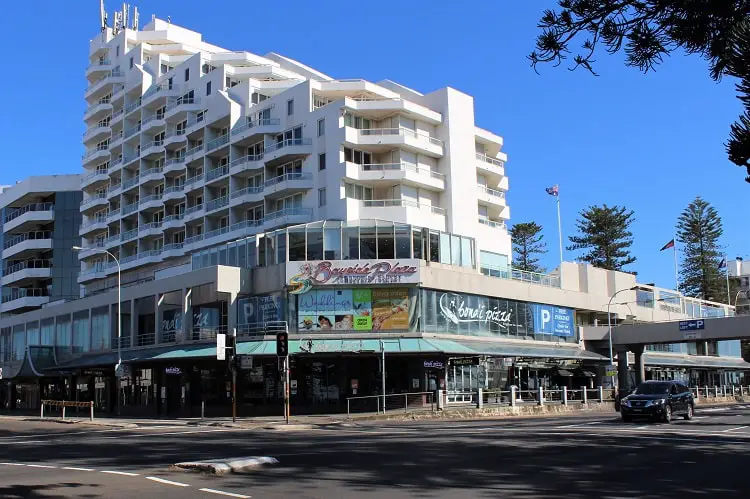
(125, 236)
(194, 120)
(491, 192)
(112, 239)
(175, 133)
(287, 212)
(173, 218)
(217, 142)
(193, 209)
(217, 172)
(182, 100)
(155, 89)
(45, 263)
(287, 177)
(194, 150)
(18, 293)
(93, 199)
(245, 224)
(404, 132)
(96, 150)
(129, 208)
(286, 143)
(27, 236)
(116, 114)
(383, 203)
(217, 203)
(251, 124)
(216, 233)
(193, 239)
(133, 106)
(174, 188)
(171, 247)
(549, 280)
(245, 191)
(148, 199)
(113, 214)
(174, 161)
(492, 223)
(132, 131)
(152, 171)
(149, 226)
(89, 176)
(246, 159)
(488, 159)
(127, 184)
(400, 167)
(13, 214)
(192, 180)
(100, 219)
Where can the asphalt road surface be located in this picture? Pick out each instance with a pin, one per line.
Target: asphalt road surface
(564, 457)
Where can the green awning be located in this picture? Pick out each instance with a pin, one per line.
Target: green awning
(339, 346)
(534, 350)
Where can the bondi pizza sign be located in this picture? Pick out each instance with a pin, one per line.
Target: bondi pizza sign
(303, 276)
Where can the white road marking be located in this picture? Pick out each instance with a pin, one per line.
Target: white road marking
(24, 442)
(581, 424)
(222, 493)
(74, 468)
(123, 473)
(13, 464)
(58, 434)
(734, 429)
(168, 482)
(191, 432)
(41, 466)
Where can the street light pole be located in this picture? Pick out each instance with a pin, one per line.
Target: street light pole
(382, 371)
(119, 317)
(609, 319)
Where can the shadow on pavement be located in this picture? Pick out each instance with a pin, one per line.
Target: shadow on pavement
(32, 491)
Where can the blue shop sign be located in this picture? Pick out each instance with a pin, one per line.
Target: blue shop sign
(556, 321)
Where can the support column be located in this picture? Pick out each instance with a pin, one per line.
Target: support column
(133, 323)
(640, 365)
(232, 313)
(187, 314)
(157, 317)
(623, 375)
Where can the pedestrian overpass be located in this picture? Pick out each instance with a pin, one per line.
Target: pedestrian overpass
(634, 337)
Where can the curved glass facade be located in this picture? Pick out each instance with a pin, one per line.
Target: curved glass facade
(339, 240)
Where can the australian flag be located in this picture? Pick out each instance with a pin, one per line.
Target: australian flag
(553, 191)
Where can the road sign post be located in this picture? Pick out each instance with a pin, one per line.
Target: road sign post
(282, 351)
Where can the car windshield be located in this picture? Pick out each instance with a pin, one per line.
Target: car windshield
(652, 389)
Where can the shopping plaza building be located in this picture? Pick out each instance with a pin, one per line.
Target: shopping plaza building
(244, 195)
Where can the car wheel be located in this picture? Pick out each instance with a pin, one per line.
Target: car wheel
(689, 414)
(626, 419)
(668, 414)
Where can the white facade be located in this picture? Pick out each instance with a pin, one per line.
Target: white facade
(189, 145)
(36, 252)
(739, 271)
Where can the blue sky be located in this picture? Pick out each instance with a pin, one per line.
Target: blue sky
(651, 143)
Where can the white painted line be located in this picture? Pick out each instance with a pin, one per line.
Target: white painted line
(41, 466)
(734, 429)
(74, 468)
(168, 482)
(580, 424)
(222, 493)
(123, 473)
(13, 464)
(24, 442)
(58, 434)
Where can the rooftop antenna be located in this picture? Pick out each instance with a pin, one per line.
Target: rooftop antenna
(135, 18)
(124, 15)
(169, 19)
(102, 15)
(117, 23)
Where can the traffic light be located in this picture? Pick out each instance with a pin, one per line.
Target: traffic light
(282, 344)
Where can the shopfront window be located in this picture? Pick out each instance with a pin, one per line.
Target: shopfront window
(297, 245)
(81, 334)
(100, 334)
(332, 242)
(63, 331)
(32, 333)
(19, 342)
(47, 332)
(315, 244)
(367, 243)
(351, 243)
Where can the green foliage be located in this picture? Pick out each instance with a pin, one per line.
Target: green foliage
(647, 31)
(605, 233)
(699, 229)
(527, 245)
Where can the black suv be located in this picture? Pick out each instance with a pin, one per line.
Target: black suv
(658, 400)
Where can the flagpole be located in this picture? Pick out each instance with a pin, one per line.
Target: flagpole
(559, 232)
(676, 271)
(726, 268)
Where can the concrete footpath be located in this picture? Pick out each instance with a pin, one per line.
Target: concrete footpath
(301, 423)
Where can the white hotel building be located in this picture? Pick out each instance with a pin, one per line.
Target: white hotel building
(189, 145)
(244, 194)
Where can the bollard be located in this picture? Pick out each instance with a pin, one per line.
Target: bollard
(63, 412)
(41, 414)
(565, 395)
(601, 394)
(540, 394)
(716, 391)
(203, 409)
(406, 404)
(723, 390)
(91, 417)
(480, 398)
(348, 414)
(584, 395)
(706, 389)
(512, 396)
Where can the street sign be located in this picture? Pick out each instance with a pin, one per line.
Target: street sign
(465, 361)
(122, 370)
(692, 325)
(221, 345)
(246, 361)
(691, 335)
(611, 370)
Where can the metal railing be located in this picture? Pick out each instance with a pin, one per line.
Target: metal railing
(250, 158)
(490, 160)
(245, 191)
(130, 234)
(175, 103)
(381, 203)
(287, 177)
(13, 214)
(149, 226)
(174, 188)
(403, 132)
(43, 263)
(193, 209)
(397, 402)
(127, 184)
(130, 208)
(549, 280)
(251, 124)
(171, 247)
(275, 146)
(129, 132)
(175, 133)
(193, 180)
(491, 192)
(287, 212)
(33, 235)
(217, 142)
(174, 161)
(151, 171)
(101, 196)
(246, 224)
(133, 106)
(492, 223)
(217, 172)
(217, 203)
(216, 232)
(18, 293)
(261, 329)
(376, 167)
(194, 150)
(173, 218)
(713, 392)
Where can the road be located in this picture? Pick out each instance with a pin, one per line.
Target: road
(533, 458)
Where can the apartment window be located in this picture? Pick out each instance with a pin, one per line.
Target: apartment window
(164, 69)
(290, 107)
(169, 82)
(360, 192)
(322, 161)
(208, 88)
(358, 157)
(187, 74)
(321, 197)
(321, 127)
(117, 51)
(223, 222)
(256, 97)
(131, 63)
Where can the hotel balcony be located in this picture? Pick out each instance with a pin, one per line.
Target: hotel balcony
(96, 224)
(93, 177)
(386, 139)
(97, 133)
(99, 154)
(289, 216)
(174, 192)
(287, 149)
(19, 299)
(98, 110)
(250, 131)
(491, 197)
(398, 210)
(30, 214)
(251, 162)
(181, 105)
(26, 271)
(98, 69)
(101, 84)
(492, 166)
(381, 107)
(96, 201)
(389, 173)
(288, 184)
(248, 195)
(33, 241)
(173, 221)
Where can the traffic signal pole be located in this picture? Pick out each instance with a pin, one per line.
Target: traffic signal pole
(287, 407)
(282, 351)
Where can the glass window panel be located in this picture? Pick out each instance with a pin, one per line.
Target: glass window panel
(270, 250)
(434, 247)
(281, 248)
(417, 243)
(81, 333)
(242, 254)
(296, 245)
(351, 243)
(386, 244)
(445, 248)
(367, 249)
(32, 333)
(315, 243)
(455, 250)
(403, 241)
(467, 252)
(63, 332)
(48, 332)
(332, 243)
